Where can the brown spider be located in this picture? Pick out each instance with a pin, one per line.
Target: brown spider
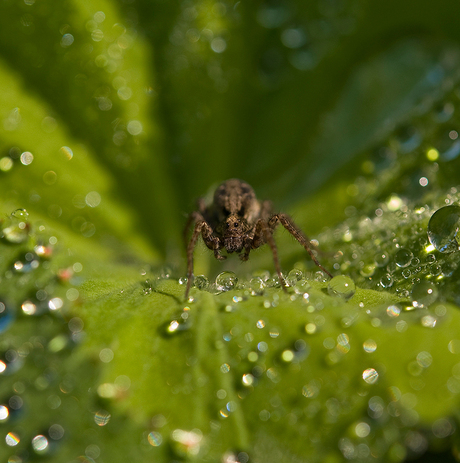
(237, 221)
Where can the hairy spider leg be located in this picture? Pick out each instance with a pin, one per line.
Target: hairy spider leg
(263, 233)
(290, 226)
(201, 227)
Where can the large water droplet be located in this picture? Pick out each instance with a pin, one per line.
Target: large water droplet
(341, 286)
(443, 227)
(226, 281)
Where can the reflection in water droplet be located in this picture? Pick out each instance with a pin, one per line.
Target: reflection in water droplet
(443, 227)
(341, 286)
(424, 293)
(370, 375)
(226, 281)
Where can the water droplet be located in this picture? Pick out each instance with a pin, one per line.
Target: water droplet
(424, 293)
(226, 281)
(225, 368)
(428, 321)
(102, 417)
(260, 324)
(155, 439)
(201, 282)
(262, 346)
(443, 227)
(287, 356)
(294, 276)
(248, 379)
(40, 444)
(310, 328)
(20, 214)
(424, 359)
(362, 429)
(403, 258)
(15, 229)
(406, 273)
(12, 439)
(56, 431)
(369, 346)
(368, 270)
(257, 286)
(370, 375)
(386, 281)
(341, 286)
(180, 324)
(393, 311)
(4, 413)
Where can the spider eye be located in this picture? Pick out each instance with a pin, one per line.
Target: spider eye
(236, 224)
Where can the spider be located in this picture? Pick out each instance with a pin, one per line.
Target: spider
(238, 222)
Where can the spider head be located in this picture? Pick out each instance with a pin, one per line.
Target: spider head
(234, 231)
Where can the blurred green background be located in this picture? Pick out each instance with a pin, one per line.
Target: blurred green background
(158, 101)
(116, 115)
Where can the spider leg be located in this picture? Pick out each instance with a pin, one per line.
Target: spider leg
(290, 226)
(213, 242)
(263, 233)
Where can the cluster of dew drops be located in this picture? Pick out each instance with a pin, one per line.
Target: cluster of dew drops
(35, 252)
(408, 252)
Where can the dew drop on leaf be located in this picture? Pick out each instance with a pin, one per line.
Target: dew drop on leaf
(443, 227)
(294, 276)
(403, 258)
(201, 282)
(226, 281)
(341, 286)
